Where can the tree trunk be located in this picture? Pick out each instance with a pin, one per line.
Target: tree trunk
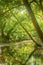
(34, 21)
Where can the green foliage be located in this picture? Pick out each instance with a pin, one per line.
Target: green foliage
(15, 24)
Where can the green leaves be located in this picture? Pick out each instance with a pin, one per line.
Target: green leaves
(16, 25)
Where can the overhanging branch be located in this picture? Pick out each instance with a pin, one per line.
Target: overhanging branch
(13, 8)
(34, 21)
(26, 31)
(29, 57)
(1, 15)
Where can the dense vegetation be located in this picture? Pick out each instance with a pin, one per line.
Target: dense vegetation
(21, 32)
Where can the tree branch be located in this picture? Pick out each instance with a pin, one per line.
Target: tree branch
(26, 31)
(1, 15)
(12, 8)
(34, 21)
(29, 57)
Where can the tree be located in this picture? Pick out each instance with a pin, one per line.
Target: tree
(16, 26)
